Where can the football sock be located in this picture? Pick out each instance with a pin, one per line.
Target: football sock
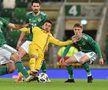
(70, 71)
(44, 67)
(3, 70)
(87, 68)
(21, 68)
(32, 64)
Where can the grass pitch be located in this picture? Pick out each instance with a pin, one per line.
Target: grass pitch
(56, 84)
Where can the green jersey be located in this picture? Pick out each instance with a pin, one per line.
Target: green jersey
(36, 20)
(86, 44)
(3, 24)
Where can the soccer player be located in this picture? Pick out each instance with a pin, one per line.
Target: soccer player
(9, 55)
(69, 68)
(89, 49)
(41, 39)
(35, 18)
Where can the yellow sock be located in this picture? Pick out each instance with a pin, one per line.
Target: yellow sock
(32, 63)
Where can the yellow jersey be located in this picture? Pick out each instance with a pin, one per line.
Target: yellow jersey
(42, 38)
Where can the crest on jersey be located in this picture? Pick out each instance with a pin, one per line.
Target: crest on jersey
(39, 19)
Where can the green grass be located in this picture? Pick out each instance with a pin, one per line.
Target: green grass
(56, 84)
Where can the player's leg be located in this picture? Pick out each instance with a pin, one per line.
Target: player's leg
(22, 51)
(89, 74)
(36, 61)
(44, 67)
(34, 55)
(80, 57)
(19, 64)
(70, 73)
(8, 68)
(11, 54)
(7, 65)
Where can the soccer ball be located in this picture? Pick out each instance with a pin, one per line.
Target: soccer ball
(43, 78)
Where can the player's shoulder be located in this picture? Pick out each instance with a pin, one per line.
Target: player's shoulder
(50, 34)
(43, 13)
(29, 13)
(37, 28)
(86, 36)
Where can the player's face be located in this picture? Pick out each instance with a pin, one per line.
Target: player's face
(47, 26)
(36, 7)
(77, 30)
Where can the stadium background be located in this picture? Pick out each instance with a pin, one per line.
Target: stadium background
(93, 14)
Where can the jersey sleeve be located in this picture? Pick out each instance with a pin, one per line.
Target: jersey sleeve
(26, 18)
(66, 51)
(58, 42)
(5, 22)
(25, 30)
(95, 46)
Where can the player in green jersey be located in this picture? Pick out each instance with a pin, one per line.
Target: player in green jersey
(35, 18)
(70, 51)
(9, 55)
(89, 49)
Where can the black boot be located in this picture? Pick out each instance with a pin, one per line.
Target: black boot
(90, 79)
(70, 81)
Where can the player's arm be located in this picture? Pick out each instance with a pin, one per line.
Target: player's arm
(64, 54)
(17, 26)
(58, 42)
(99, 53)
(66, 51)
(22, 35)
(97, 49)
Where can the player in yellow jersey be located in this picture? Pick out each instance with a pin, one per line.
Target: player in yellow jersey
(41, 39)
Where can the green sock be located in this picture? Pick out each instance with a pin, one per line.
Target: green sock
(3, 70)
(21, 69)
(87, 68)
(70, 71)
(44, 67)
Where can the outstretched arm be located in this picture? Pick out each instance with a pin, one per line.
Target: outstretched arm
(58, 42)
(17, 26)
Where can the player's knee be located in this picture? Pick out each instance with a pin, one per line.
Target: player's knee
(15, 57)
(82, 61)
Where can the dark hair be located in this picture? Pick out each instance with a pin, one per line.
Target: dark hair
(78, 25)
(49, 21)
(36, 1)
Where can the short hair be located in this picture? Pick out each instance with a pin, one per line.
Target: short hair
(78, 25)
(49, 21)
(36, 1)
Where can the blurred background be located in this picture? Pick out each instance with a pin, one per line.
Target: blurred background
(92, 14)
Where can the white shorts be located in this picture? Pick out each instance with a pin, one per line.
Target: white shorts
(5, 53)
(92, 55)
(25, 46)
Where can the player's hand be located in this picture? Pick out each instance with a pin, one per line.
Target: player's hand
(25, 25)
(101, 61)
(75, 38)
(62, 62)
